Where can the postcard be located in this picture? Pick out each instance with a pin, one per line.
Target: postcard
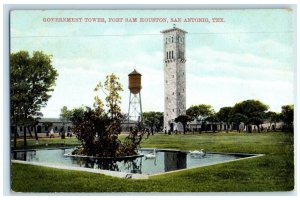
(152, 100)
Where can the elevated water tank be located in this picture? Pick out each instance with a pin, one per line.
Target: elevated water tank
(135, 82)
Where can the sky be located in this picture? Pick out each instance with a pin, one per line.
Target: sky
(248, 56)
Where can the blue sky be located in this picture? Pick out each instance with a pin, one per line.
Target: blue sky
(250, 56)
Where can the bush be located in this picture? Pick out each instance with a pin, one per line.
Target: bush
(98, 130)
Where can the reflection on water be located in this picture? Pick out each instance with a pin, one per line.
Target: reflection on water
(163, 161)
(174, 161)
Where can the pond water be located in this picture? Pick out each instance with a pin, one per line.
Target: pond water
(164, 160)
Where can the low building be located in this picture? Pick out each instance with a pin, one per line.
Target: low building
(45, 125)
(197, 126)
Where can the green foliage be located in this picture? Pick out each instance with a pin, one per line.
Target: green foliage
(113, 99)
(200, 112)
(183, 119)
(32, 78)
(225, 115)
(272, 117)
(99, 130)
(253, 112)
(250, 107)
(287, 113)
(237, 118)
(154, 120)
(65, 114)
(31, 81)
(77, 114)
(131, 142)
(213, 118)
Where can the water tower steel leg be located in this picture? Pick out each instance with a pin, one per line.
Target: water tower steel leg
(141, 107)
(129, 110)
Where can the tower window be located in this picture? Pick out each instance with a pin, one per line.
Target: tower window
(166, 81)
(172, 55)
(173, 110)
(173, 93)
(172, 76)
(178, 93)
(183, 73)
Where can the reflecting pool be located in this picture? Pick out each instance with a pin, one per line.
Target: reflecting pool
(159, 161)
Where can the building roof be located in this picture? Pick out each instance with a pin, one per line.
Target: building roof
(134, 72)
(173, 29)
(58, 120)
(125, 121)
(53, 120)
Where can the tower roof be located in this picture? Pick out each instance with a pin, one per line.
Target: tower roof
(134, 72)
(173, 29)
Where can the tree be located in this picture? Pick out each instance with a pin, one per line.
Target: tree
(272, 117)
(253, 110)
(287, 113)
(200, 113)
(153, 119)
(65, 116)
(257, 119)
(225, 115)
(111, 89)
(183, 119)
(34, 122)
(31, 81)
(237, 119)
(98, 128)
(77, 114)
(213, 118)
(160, 124)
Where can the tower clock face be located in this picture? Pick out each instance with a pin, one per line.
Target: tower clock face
(170, 39)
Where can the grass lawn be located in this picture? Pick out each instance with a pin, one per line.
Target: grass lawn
(272, 172)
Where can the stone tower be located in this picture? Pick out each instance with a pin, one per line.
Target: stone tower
(174, 77)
